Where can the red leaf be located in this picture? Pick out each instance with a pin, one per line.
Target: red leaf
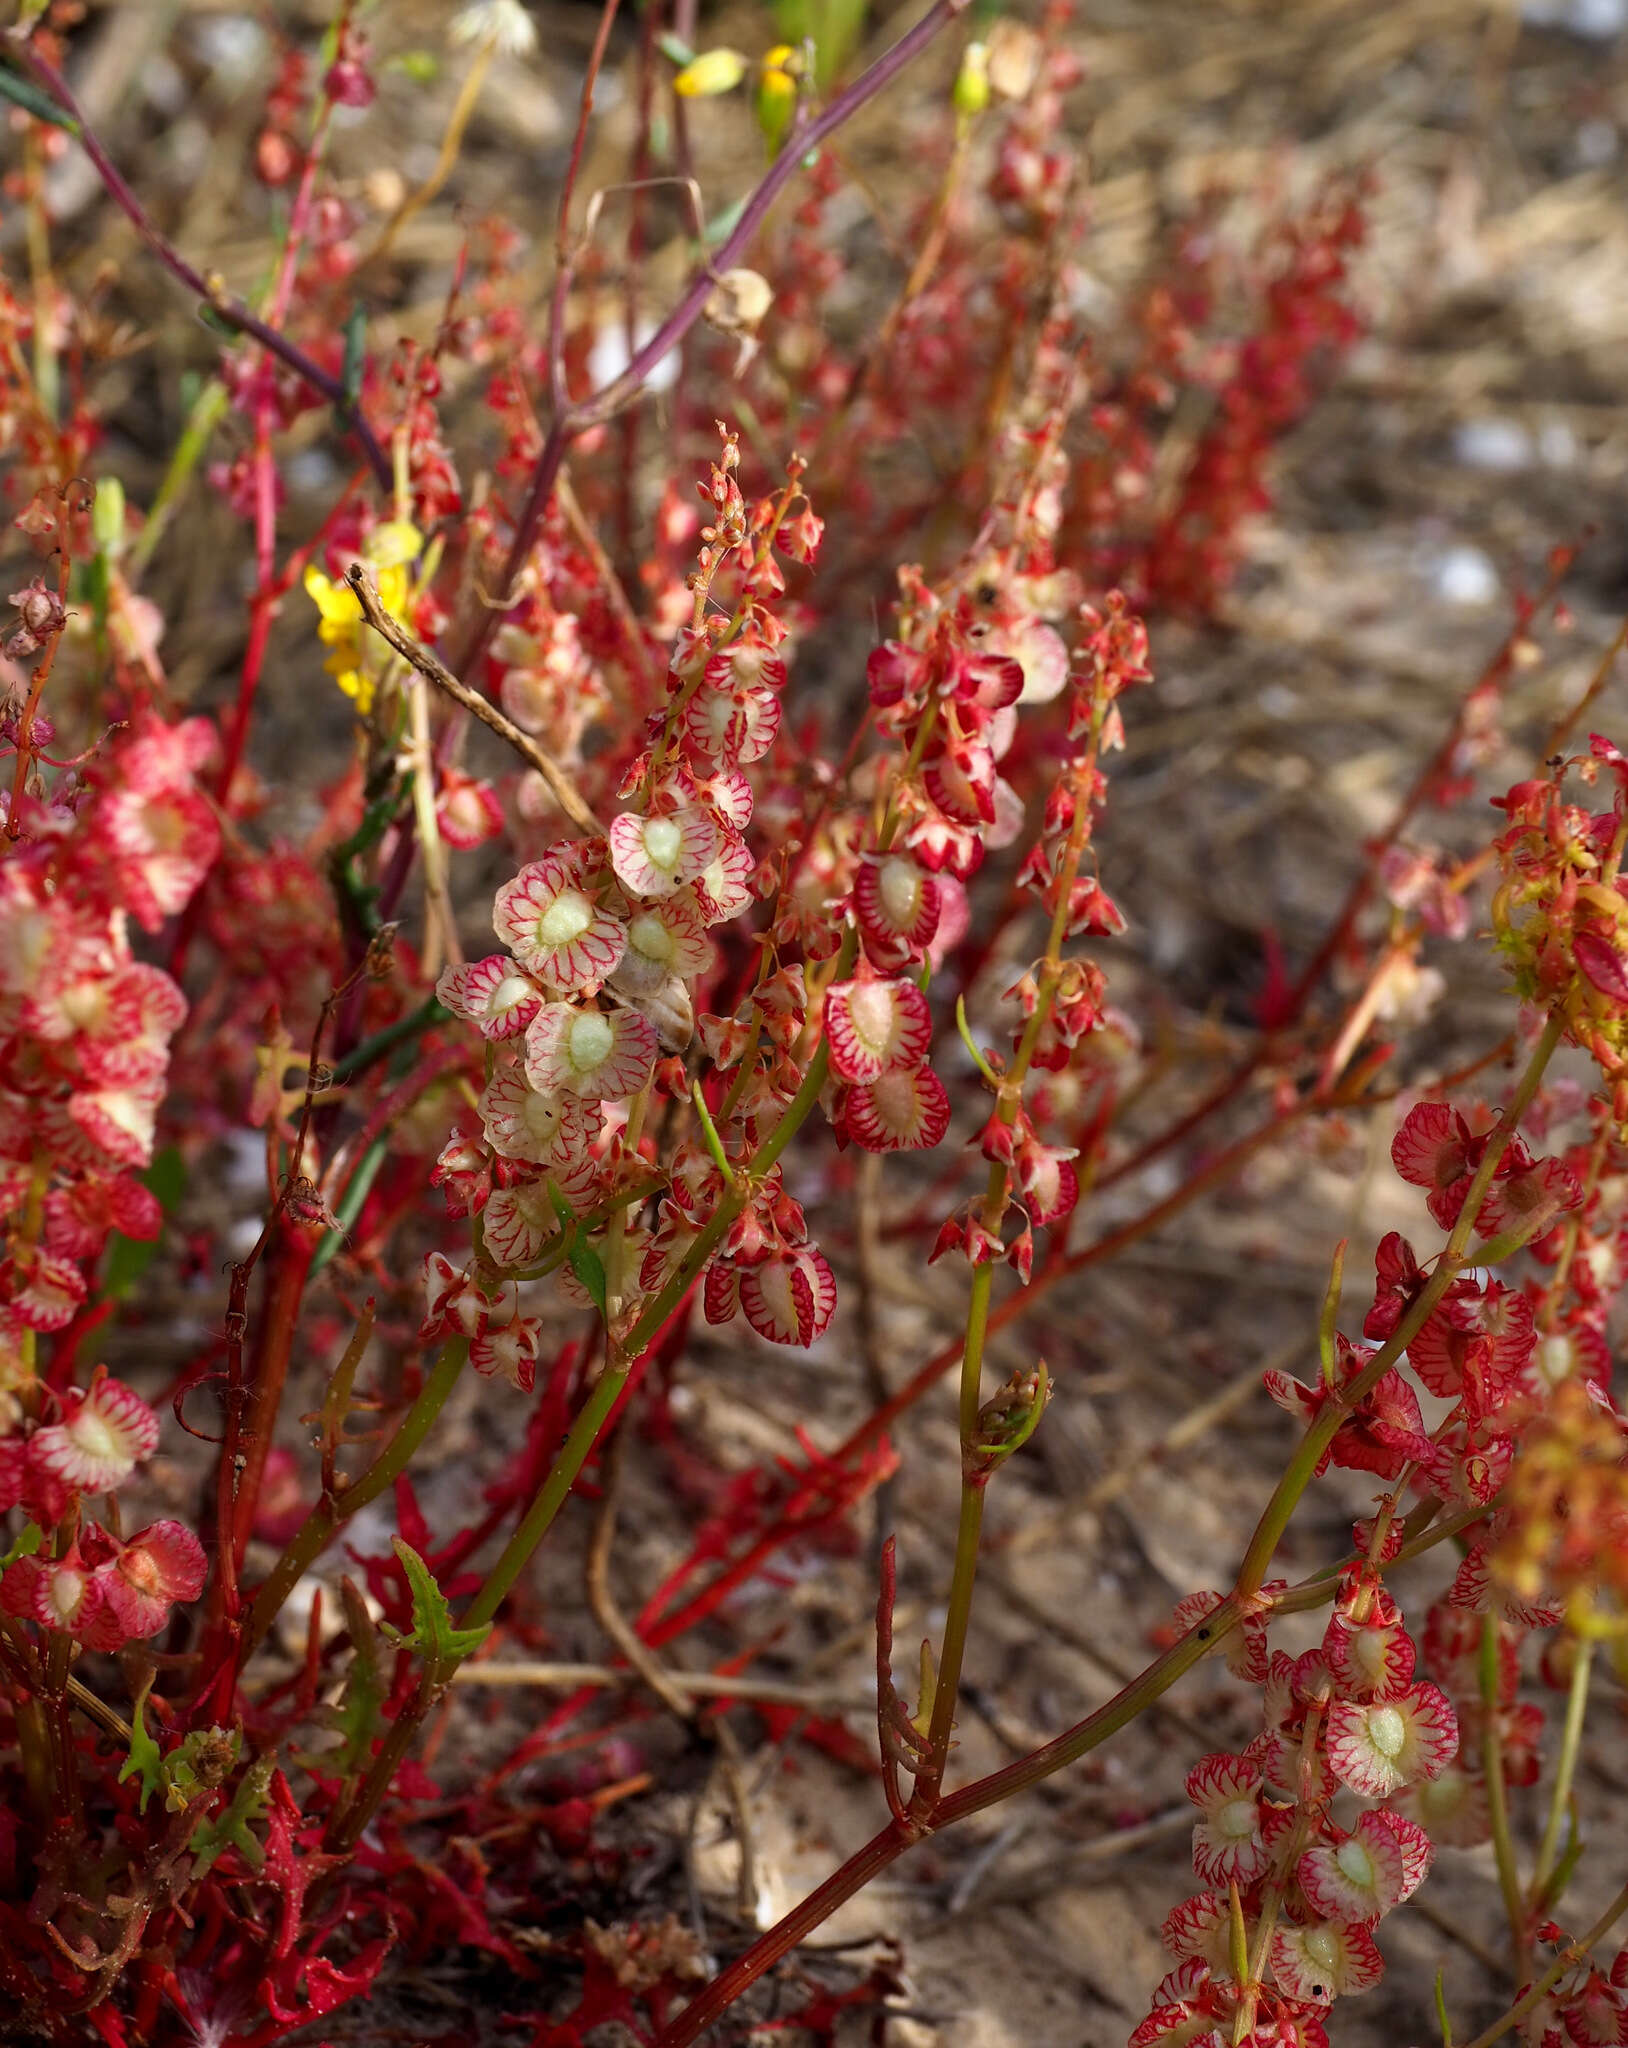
(1602, 964)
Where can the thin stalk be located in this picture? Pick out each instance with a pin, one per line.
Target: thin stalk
(952, 1652)
(206, 412)
(69, 1796)
(1568, 1959)
(1303, 1466)
(290, 1266)
(34, 1748)
(348, 1824)
(1503, 1844)
(861, 1869)
(1571, 1742)
(316, 1531)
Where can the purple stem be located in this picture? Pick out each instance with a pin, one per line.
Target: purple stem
(235, 314)
(593, 411)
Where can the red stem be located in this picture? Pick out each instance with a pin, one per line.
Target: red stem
(291, 1254)
(861, 1869)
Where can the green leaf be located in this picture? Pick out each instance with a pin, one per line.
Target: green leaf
(433, 1632)
(350, 1204)
(25, 1546)
(175, 1775)
(580, 1255)
(107, 515)
(589, 1268)
(217, 322)
(230, 1829)
(357, 1714)
(144, 1761)
(722, 225)
(833, 26)
(129, 1257)
(184, 1785)
(24, 93)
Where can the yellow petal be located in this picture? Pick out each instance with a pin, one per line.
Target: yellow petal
(393, 583)
(714, 71)
(337, 602)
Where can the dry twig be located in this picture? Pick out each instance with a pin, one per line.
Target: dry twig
(418, 656)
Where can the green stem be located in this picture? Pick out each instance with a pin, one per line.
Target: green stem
(208, 409)
(1568, 1959)
(1503, 1844)
(550, 1497)
(1571, 1742)
(895, 1839)
(968, 1535)
(1158, 1678)
(317, 1530)
(34, 1748)
(958, 1618)
(347, 1826)
(425, 1018)
(64, 1756)
(1302, 1468)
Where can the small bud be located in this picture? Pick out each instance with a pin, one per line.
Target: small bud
(971, 94)
(40, 615)
(713, 72)
(738, 301)
(1006, 1423)
(501, 25)
(736, 306)
(776, 104)
(107, 515)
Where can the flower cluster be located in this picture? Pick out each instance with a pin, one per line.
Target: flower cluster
(85, 1031)
(1298, 1882)
(101, 1589)
(85, 1027)
(606, 938)
(1295, 1891)
(1561, 916)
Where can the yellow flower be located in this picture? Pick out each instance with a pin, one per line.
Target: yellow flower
(341, 626)
(714, 71)
(777, 97)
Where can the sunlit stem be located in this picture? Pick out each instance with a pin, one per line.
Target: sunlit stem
(1571, 1740)
(315, 1532)
(1503, 1845)
(1303, 1466)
